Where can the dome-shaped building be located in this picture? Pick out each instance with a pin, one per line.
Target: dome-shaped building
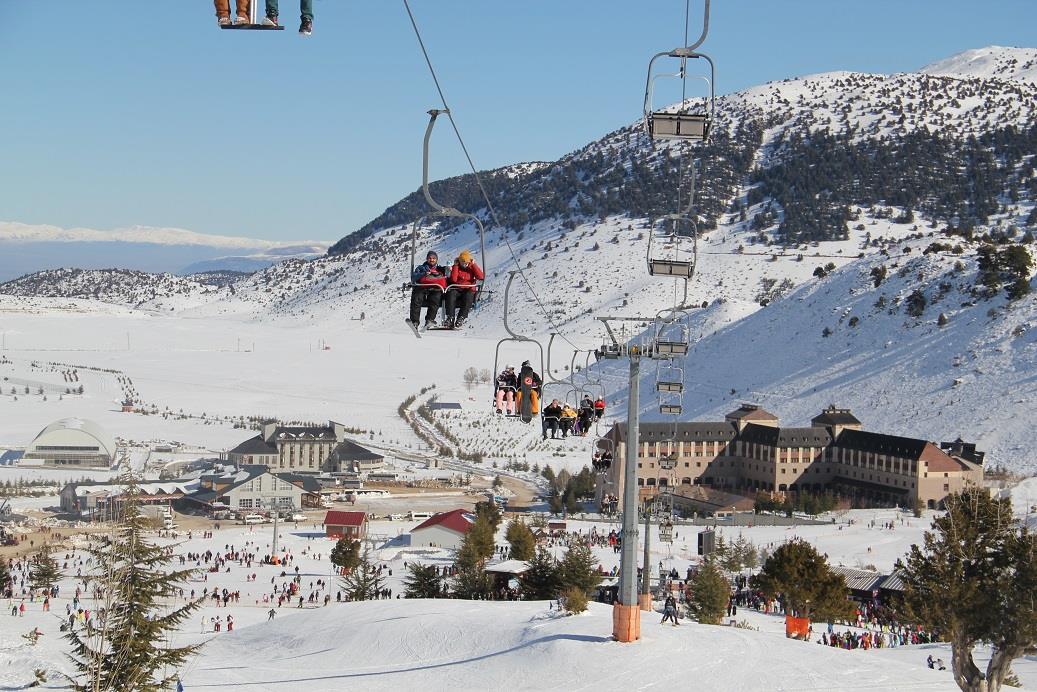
(73, 442)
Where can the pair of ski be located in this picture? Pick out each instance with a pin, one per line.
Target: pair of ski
(417, 332)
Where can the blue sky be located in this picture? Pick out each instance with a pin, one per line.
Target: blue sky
(117, 113)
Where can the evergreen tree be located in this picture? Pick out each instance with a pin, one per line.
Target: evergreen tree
(974, 580)
(578, 569)
(363, 582)
(481, 538)
(346, 554)
(710, 594)
(128, 651)
(491, 512)
(44, 571)
(471, 581)
(522, 540)
(548, 473)
(807, 585)
(5, 576)
(423, 581)
(540, 582)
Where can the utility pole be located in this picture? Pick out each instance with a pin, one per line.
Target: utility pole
(626, 614)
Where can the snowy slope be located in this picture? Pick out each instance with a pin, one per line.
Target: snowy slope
(993, 61)
(899, 375)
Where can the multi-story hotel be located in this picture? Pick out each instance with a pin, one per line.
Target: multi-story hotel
(748, 452)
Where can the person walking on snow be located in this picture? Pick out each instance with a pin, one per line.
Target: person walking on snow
(669, 611)
(429, 281)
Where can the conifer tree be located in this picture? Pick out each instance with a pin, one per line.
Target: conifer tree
(540, 581)
(44, 571)
(807, 585)
(710, 594)
(346, 553)
(129, 651)
(5, 576)
(578, 569)
(481, 538)
(522, 540)
(471, 580)
(362, 582)
(974, 579)
(423, 581)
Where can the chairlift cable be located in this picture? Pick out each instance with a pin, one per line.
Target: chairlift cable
(478, 178)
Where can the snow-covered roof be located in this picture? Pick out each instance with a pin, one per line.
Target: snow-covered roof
(61, 433)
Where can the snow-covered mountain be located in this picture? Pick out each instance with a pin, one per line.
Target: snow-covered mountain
(25, 249)
(862, 210)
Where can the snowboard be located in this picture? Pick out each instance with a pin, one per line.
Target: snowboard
(526, 408)
(413, 327)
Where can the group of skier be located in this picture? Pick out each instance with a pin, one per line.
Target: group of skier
(558, 417)
(456, 287)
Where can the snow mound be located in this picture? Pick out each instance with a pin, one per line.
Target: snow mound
(449, 644)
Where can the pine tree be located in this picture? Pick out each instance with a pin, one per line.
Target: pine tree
(363, 582)
(5, 576)
(578, 569)
(346, 554)
(471, 581)
(128, 651)
(423, 581)
(540, 581)
(481, 538)
(974, 580)
(806, 583)
(710, 594)
(522, 540)
(490, 511)
(44, 572)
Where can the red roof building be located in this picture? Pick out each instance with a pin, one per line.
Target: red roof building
(339, 524)
(443, 530)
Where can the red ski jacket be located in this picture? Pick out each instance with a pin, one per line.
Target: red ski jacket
(466, 275)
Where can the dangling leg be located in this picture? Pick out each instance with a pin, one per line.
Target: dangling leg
(222, 11)
(417, 298)
(432, 298)
(242, 12)
(512, 405)
(466, 300)
(500, 400)
(450, 301)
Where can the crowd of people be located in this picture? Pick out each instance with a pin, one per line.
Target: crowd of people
(455, 289)
(557, 417)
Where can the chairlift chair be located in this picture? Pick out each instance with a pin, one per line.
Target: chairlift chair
(440, 210)
(669, 378)
(517, 338)
(672, 334)
(671, 409)
(253, 21)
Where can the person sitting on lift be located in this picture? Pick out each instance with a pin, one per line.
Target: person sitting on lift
(534, 399)
(463, 275)
(599, 408)
(223, 12)
(586, 415)
(567, 419)
(429, 283)
(552, 414)
(507, 383)
(305, 10)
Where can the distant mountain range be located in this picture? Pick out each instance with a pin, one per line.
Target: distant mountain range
(25, 249)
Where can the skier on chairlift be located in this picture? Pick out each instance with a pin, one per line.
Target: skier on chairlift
(531, 382)
(462, 291)
(429, 282)
(507, 385)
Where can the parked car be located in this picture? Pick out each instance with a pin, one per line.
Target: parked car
(298, 517)
(253, 519)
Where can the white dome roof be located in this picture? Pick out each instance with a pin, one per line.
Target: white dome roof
(71, 430)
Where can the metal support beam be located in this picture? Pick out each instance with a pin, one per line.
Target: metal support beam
(628, 557)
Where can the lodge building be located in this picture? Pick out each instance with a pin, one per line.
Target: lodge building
(305, 449)
(750, 452)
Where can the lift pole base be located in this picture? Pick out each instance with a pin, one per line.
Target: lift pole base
(626, 623)
(644, 601)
